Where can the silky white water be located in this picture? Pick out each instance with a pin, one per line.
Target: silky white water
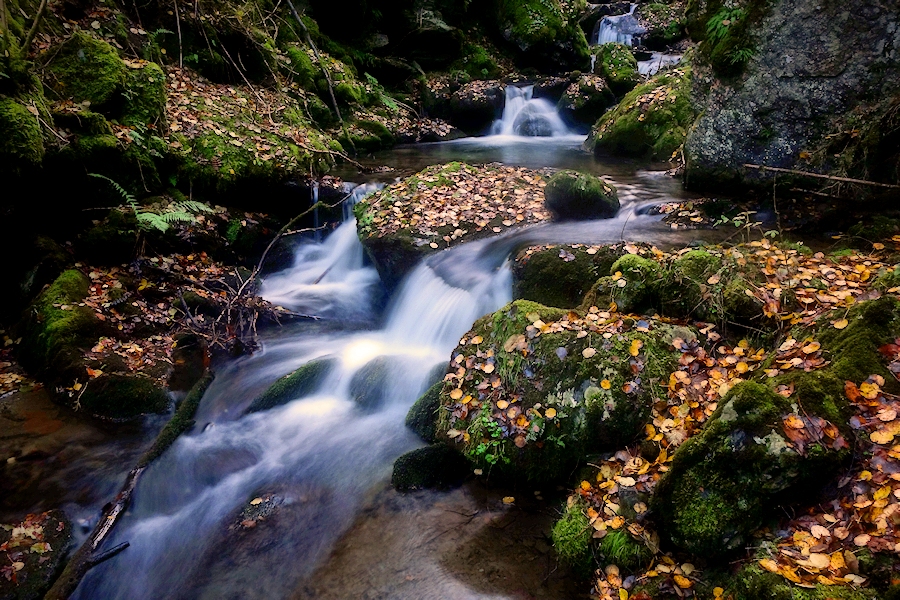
(525, 115)
(619, 29)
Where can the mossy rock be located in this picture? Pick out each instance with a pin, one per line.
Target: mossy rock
(685, 290)
(302, 67)
(618, 66)
(651, 121)
(724, 483)
(87, 69)
(853, 355)
(665, 24)
(431, 467)
(560, 276)
(597, 400)
(320, 113)
(297, 384)
(477, 62)
(423, 415)
(145, 93)
(122, 397)
(571, 536)
(84, 122)
(368, 136)
(631, 285)
(370, 384)
(574, 196)
(543, 36)
(55, 329)
(618, 547)
(585, 100)
(21, 139)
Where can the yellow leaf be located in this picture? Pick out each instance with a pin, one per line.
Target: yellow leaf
(769, 565)
(476, 340)
(811, 347)
(742, 367)
(256, 501)
(502, 404)
(606, 384)
(717, 592)
(550, 413)
(508, 500)
(586, 485)
(841, 324)
(636, 346)
(683, 582)
(623, 594)
(456, 394)
(881, 437)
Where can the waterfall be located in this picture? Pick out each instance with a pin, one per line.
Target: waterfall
(621, 29)
(524, 115)
(657, 62)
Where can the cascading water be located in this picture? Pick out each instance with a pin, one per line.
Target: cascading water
(657, 62)
(620, 29)
(525, 115)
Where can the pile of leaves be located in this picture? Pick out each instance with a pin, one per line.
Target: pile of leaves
(447, 204)
(821, 546)
(31, 549)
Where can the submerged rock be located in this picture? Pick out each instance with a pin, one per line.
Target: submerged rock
(573, 196)
(533, 389)
(726, 481)
(297, 384)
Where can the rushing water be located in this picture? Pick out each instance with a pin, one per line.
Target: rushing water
(321, 455)
(525, 115)
(619, 29)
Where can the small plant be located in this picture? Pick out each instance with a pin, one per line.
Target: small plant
(183, 211)
(718, 27)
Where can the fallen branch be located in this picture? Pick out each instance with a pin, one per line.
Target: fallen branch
(820, 176)
(87, 556)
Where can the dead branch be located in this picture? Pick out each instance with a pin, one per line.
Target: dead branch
(820, 176)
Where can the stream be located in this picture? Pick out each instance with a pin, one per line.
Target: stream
(320, 465)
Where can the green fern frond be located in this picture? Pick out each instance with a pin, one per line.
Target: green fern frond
(125, 194)
(193, 206)
(149, 220)
(177, 216)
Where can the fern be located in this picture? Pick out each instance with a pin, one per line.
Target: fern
(183, 211)
(125, 194)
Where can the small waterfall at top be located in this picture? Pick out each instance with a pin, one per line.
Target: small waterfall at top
(524, 115)
(621, 29)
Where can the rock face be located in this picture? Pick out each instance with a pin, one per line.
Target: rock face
(805, 62)
(573, 196)
(617, 65)
(543, 35)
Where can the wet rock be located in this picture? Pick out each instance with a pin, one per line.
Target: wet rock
(122, 397)
(560, 276)
(726, 481)
(531, 393)
(650, 122)
(190, 359)
(573, 196)
(665, 24)
(476, 105)
(34, 553)
(423, 415)
(370, 384)
(617, 65)
(297, 384)
(431, 467)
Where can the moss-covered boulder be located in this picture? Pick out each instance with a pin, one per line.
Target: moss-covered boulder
(34, 549)
(532, 389)
(571, 537)
(724, 483)
(544, 35)
(474, 106)
(586, 99)
(85, 68)
(651, 121)
(443, 206)
(145, 93)
(560, 276)
(618, 66)
(55, 329)
(122, 397)
(370, 385)
(686, 288)
(753, 582)
(423, 415)
(631, 285)
(21, 140)
(574, 196)
(296, 384)
(432, 467)
(367, 136)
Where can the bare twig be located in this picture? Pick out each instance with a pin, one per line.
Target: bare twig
(26, 45)
(820, 176)
(178, 27)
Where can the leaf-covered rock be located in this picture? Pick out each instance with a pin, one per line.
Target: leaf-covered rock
(618, 66)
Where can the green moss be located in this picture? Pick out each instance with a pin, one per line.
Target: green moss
(145, 93)
(752, 582)
(550, 277)
(181, 421)
(423, 415)
(631, 285)
(543, 33)
(301, 382)
(87, 69)
(651, 121)
(685, 289)
(435, 466)
(571, 536)
(587, 99)
(123, 396)
(618, 66)
(726, 481)
(665, 24)
(890, 278)
(570, 195)
(371, 136)
(477, 63)
(369, 384)
(618, 548)
(302, 67)
(21, 140)
(56, 327)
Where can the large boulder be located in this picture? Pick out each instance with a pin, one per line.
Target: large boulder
(533, 389)
(21, 138)
(787, 84)
(665, 24)
(618, 66)
(650, 122)
(434, 466)
(574, 196)
(560, 276)
(725, 482)
(87, 69)
(476, 105)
